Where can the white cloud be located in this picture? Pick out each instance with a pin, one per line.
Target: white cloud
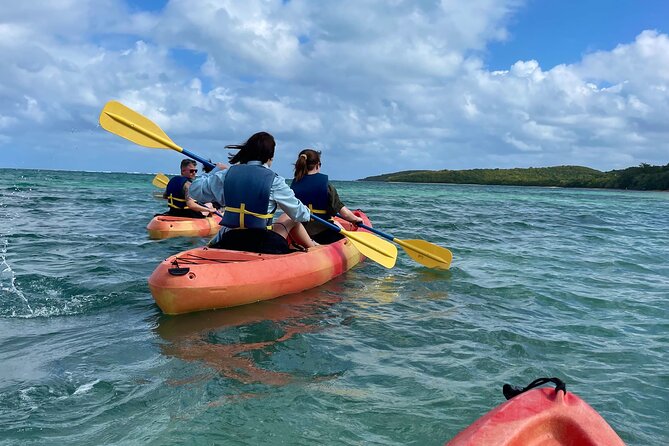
(644, 61)
(379, 86)
(520, 145)
(7, 121)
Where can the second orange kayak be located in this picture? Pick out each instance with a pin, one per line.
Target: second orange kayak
(540, 417)
(207, 278)
(165, 226)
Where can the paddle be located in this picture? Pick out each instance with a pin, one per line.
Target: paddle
(423, 252)
(127, 123)
(370, 246)
(160, 181)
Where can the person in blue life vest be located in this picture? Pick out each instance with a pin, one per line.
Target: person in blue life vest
(177, 194)
(250, 192)
(313, 188)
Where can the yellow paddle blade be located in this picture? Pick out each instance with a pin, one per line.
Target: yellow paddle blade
(127, 123)
(427, 253)
(382, 252)
(160, 181)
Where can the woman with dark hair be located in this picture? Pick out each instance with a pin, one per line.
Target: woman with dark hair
(313, 188)
(250, 193)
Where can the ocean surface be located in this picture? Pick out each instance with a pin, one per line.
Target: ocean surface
(544, 282)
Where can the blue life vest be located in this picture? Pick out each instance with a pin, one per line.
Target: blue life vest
(174, 192)
(246, 190)
(312, 190)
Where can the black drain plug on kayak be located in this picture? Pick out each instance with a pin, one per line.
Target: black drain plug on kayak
(178, 271)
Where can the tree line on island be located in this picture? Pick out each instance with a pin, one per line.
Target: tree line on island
(643, 177)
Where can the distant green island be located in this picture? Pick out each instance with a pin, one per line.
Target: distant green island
(643, 177)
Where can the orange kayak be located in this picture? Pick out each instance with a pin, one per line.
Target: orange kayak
(165, 226)
(540, 417)
(207, 278)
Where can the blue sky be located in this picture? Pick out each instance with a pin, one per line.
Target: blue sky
(558, 32)
(377, 86)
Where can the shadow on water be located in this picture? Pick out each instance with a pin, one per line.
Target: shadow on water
(231, 342)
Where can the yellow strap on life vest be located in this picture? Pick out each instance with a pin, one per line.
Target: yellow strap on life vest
(316, 211)
(241, 210)
(171, 199)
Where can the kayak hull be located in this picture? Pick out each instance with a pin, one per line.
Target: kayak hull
(540, 417)
(206, 278)
(166, 226)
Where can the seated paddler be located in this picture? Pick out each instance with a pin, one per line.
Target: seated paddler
(314, 189)
(177, 194)
(250, 193)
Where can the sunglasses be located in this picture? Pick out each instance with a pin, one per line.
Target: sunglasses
(193, 171)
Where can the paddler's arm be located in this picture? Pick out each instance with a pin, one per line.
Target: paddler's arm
(285, 198)
(337, 207)
(209, 186)
(192, 204)
(350, 216)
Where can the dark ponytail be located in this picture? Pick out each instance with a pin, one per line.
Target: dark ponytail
(307, 160)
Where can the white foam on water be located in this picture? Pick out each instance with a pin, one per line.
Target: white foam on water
(85, 387)
(8, 278)
(26, 397)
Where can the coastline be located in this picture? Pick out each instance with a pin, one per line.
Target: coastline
(515, 185)
(643, 178)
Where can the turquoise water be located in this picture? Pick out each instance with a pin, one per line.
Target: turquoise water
(544, 282)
